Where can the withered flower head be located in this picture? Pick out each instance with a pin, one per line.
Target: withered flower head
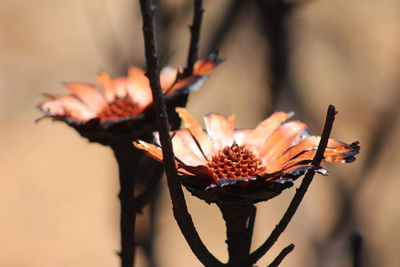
(252, 164)
(121, 105)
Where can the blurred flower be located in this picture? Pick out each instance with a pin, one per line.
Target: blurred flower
(121, 103)
(254, 164)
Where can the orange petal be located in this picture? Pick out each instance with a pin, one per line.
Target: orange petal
(150, 149)
(89, 95)
(139, 88)
(242, 135)
(308, 143)
(335, 152)
(197, 131)
(107, 84)
(67, 106)
(264, 129)
(186, 149)
(285, 136)
(205, 66)
(168, 77)
(181, 170)
(220, 130)
(200, 71)
(120, 86)
(53, 107)
(191, 83)
(201, 174)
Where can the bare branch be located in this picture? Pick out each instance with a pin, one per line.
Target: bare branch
(300, 192)
(281, 256)
(180, 210)
(195, 37)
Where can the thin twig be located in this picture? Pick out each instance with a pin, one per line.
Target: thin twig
(281, 256)
(195, 37)
(300, 192)
(380, 136)
(180, 210)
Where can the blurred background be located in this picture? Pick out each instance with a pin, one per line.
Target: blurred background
(58, 193)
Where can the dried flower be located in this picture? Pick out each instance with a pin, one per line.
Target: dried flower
(121, 105)
(253, 164)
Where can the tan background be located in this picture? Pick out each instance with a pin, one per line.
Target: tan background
(58, 204)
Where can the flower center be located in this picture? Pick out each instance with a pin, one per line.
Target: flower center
(235, 162)
(119, 108)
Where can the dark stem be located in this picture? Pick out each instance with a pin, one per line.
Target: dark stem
(250, 227)
(356, 240)
(152, 175)
(180, 211)
(281, 256)
(147, 244)
(274, 14)
(128, 158)
(195, 37)
(237, 215)
(300, 192)
(224, 27)
(275, 19)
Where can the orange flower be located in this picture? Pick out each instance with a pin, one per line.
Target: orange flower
(256, 164)
(120, 100)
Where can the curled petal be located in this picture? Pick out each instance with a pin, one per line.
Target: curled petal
(151, 150)
(305, 151)
(203, 67)
(189, 84)
(345, 154)
(200, 71)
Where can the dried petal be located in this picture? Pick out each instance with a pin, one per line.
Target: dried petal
(89, 95)
(196, 131)
(220, 130)
(285, 136)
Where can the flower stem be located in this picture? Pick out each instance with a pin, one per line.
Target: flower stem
(237, 216)
(128, 159)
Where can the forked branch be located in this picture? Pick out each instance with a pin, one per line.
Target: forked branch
(300, 192)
